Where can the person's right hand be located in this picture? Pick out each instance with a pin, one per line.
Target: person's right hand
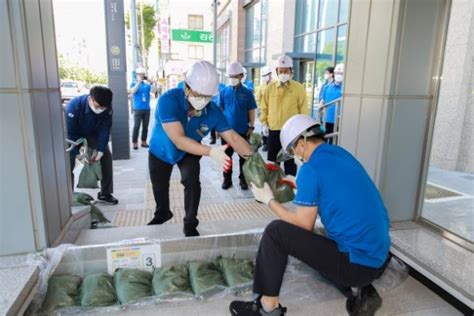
(265, 130)
(219, 155)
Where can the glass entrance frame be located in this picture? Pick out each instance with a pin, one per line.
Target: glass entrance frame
(321, 34)
(424, 187)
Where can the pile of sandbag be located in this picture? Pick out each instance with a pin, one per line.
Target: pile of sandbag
(131, 285)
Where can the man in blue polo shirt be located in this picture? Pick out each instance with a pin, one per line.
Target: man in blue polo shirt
(183, 118)
(238, 104)
(332, 92)
(90, 117)
(331, 183)
(141, 89)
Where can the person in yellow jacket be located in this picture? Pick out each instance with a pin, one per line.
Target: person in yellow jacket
(280, 101)
(266, 79)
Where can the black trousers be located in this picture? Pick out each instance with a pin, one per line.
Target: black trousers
(230, 151)
(329, 130)
(140, 117)
(274, 147)
(107, 182)
(281, 239)
(160, 174)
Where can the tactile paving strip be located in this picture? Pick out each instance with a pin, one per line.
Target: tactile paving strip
(207, 213)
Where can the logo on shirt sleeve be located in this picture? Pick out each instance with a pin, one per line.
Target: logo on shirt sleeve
(70, 115)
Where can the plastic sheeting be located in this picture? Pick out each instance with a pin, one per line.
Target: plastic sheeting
(204, 277)
(98, 290)
(132, 284)
(301, 283)
(171, 280)
(237, 272)
(63, 291)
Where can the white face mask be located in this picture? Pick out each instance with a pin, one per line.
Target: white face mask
(338, 78)
(96, 110)
(199, 103)
(234, 82)
(283, 77)
(326, 76)
(266, 78)
(298, 161)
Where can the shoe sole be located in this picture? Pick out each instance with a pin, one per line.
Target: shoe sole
(108, 203)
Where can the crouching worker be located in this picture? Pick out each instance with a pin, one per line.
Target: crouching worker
(184, 116)
(333, 184)
(90, 117)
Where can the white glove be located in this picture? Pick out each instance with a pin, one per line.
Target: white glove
(219, 155)
(265, 130)
(263, 195)
(98, 156)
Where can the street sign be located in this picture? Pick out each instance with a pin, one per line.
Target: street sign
(191, 36)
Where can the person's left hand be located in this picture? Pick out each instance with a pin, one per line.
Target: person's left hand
(249, 132)
(97, 156)
(263, 195)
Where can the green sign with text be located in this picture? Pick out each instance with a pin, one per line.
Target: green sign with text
(192, 36)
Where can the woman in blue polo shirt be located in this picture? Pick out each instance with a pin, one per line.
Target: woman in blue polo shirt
(332, 184)
(184, 116)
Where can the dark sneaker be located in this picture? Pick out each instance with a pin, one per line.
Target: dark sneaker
(145, 145)
(191, 232)
(243, 184)
(135, 146)
(107, 199)
(227, 183)
(365, 304)
(265, 148)
(159, 221)
(253, 308)
(213, 141)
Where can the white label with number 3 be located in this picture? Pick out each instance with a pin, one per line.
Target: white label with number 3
(145, 257)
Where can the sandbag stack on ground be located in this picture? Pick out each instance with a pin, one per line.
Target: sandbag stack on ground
(98, 290)
(132, 284)
(170, 280)
(63, 291)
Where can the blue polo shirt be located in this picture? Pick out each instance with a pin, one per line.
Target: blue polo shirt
(350, 205)
(141, 98)
(236, 104)
(249, 85)
(331, 92)
(173, 107)
(82, 122)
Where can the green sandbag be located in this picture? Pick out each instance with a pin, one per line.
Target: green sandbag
(98, 219)
(132, 284)
(90, 174)
(80, 198)
(204, 276)
(171, 279)
(256, 172)
(255, 141)
(63, 291)
(98, 290)
(282, 191)
(236, 271)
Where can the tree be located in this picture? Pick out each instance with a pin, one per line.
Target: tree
(67, 70)
(149, 23)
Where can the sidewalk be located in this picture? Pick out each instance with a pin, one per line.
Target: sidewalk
(132, 187)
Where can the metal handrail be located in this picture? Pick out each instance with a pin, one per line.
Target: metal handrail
(338, 104)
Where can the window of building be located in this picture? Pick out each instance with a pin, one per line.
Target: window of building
(223, 50)
(195, 52)
(321, 31)
(255, 33)
(195, 22)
